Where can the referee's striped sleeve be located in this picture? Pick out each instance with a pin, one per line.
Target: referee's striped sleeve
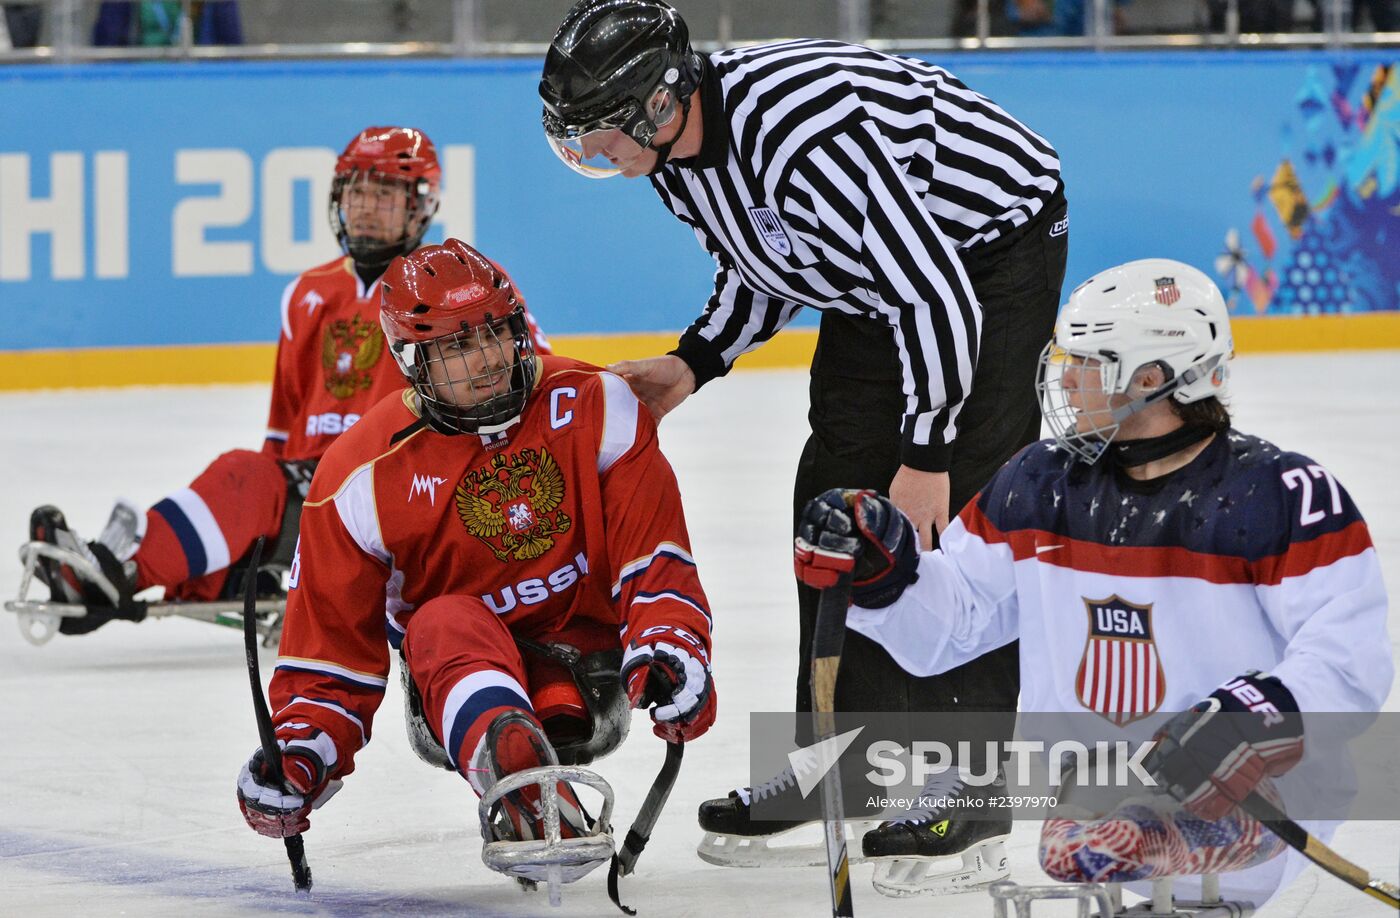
(851, 199)
(736, 320)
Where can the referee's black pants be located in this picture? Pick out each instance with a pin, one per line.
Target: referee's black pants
(857, 406)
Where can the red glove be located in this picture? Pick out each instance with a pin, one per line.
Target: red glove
(827, 540)
(860, 532)
(279, 811)
(668, 669)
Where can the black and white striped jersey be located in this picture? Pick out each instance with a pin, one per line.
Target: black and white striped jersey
(837, 177)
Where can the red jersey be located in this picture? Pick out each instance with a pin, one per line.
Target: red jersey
(332, 362)
(573, 518)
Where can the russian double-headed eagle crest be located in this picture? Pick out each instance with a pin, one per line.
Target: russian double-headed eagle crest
(512, 503)
(349, 350)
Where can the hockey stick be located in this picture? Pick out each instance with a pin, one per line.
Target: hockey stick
(828, 636)
(1296, 837)
(272, 753)
(637, 837)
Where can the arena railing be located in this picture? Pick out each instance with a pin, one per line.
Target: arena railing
(67, 43)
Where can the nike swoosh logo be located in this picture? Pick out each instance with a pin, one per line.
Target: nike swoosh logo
(1039, 549)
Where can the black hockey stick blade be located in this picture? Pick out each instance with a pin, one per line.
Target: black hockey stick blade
(637, 837)
(640, 833)
(272, 753)
(1296, 837)
(828, 637)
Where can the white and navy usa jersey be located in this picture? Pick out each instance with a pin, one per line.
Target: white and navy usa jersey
(838, 177)
(1136, 597)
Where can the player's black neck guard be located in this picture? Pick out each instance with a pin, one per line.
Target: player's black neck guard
(1129, 453)
(368, 274)
(663, 152)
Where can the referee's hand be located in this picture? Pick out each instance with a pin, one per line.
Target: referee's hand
(660, 383)
(923, 497)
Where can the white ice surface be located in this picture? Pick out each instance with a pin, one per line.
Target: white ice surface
(118, 750)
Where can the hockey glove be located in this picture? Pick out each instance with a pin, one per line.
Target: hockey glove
(668, 670)
(861, 532)
(279, 811)
(1214, 755)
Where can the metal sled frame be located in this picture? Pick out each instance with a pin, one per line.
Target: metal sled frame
(39, 619)
(546, 858)
(1109, 898)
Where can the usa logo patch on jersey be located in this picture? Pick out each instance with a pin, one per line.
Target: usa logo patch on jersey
(766, 221)
(1121, 674)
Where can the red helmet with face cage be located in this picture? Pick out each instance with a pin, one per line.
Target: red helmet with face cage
(456, 326)
(395, 164)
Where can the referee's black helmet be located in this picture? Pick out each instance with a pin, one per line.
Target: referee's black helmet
(607, 62)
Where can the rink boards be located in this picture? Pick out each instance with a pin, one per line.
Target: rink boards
(151, 214)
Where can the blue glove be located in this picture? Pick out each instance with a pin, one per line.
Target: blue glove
(861, 532)
(1212, 756)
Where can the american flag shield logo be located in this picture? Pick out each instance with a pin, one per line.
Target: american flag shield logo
(1121, 674)
(1167, 291)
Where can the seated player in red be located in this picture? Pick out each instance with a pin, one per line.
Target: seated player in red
(510, 523)
(331, 368)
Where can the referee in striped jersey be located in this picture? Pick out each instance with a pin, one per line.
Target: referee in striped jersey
(927, 224)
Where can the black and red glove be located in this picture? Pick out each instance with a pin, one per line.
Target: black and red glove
(279, 811)
(1214, 755)
(861, 532)
(667, 669)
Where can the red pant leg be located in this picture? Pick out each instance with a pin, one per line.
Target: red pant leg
(468, 670)
(194, 534)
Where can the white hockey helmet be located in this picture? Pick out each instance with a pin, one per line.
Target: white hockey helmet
(1152, 312)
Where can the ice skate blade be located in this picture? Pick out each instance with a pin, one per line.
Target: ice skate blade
(759, 850)
(903, 877)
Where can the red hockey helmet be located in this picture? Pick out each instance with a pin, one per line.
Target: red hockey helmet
(385, 193)
(456, 326)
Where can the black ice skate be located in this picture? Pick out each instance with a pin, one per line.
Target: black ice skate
(906, 850)
(534, 826)
(733, 838)
(86, 574)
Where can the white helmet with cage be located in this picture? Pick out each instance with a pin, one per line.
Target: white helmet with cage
(1152, 312)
